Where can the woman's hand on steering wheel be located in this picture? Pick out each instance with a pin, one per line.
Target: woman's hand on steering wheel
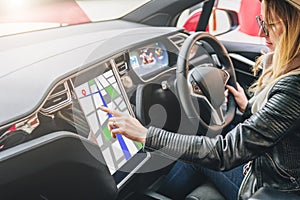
(239, 96)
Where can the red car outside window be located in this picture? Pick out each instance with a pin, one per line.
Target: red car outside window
(248, 10)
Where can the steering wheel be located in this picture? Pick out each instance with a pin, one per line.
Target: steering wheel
(207, 83)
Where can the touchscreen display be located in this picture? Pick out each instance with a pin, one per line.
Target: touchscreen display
(148, 59)
(104, 90)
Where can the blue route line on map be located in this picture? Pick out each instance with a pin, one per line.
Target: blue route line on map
(119, 136)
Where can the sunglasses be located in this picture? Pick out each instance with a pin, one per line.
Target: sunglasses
(263, 25)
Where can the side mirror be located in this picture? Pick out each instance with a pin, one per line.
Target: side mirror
(222, 21)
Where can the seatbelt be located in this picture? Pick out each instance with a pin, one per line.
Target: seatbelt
(204, 17)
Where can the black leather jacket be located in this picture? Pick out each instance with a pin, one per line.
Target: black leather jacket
(270, 137)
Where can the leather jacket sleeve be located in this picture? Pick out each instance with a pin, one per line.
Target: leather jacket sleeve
(246, 141)
(247, 113)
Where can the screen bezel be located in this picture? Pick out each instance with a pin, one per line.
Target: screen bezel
(126, 171)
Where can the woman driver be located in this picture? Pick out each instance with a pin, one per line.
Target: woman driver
(270, 135)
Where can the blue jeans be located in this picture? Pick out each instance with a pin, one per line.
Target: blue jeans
(184, 177)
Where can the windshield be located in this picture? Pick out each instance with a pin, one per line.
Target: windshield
(17, 16)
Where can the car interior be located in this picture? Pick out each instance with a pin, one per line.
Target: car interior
(54, 140)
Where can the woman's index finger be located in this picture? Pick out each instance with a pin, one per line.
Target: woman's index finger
(110, 111)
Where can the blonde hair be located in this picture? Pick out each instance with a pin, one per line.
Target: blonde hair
(287, 44)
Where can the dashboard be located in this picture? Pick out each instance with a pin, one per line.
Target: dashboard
(58, 80)
(54, 55)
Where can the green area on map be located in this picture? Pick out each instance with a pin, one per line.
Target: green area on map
(107, 133)
(92, 82)
(139, 145)
(112, 92)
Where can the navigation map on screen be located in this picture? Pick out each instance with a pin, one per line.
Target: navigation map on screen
(105, 91)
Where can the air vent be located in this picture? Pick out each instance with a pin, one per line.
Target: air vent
(178, 40)
(59, 98)
(121, 64)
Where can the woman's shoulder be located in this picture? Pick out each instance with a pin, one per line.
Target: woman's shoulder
(289, 80)
(288, 84)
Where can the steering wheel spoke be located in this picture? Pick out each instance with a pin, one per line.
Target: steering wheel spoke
(217, 116)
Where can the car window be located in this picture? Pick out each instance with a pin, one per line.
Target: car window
(221, 23)
(17, 16)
